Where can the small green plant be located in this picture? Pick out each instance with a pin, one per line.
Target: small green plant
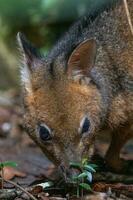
(6, 164)
(83, 179)
(78, 183)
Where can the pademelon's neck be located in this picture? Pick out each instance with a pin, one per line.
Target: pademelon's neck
(105, 90)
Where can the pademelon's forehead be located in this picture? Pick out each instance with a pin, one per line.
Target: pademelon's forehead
(62, 106)
(63, 97)
(57, 102)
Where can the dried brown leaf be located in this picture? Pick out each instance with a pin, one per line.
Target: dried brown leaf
(10, 172)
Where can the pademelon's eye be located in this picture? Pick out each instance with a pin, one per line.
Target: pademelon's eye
(44, 132)
(84, 125)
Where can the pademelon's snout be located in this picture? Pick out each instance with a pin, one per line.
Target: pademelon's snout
(69, 172)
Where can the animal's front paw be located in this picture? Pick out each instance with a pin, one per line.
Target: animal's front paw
(128, 167)
(99, 161)
(119, 166)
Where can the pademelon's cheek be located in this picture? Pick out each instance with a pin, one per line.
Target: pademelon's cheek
(52, 155)
(47, 149)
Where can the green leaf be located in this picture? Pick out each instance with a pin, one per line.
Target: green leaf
(74, 177)
(84, 161)
(8, 164)
(75, 165)
(82, 175)
(89, 176)
(89, 168)
(93, 166)
(85, 186)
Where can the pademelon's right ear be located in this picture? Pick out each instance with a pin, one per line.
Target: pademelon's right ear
(83, 57)
(31, 58)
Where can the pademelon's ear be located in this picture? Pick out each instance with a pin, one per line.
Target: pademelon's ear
(31, 58)
(82, 58)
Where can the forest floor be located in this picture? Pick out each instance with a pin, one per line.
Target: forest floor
(34, 171)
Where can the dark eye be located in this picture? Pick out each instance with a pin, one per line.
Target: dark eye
(85, 125)
(44, 132)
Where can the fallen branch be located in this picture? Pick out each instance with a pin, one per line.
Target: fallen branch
(22, 189)
(8, 194)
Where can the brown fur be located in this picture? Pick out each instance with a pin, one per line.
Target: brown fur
(102, 91)
(65, 114)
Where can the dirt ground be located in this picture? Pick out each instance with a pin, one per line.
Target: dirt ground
(34, 168)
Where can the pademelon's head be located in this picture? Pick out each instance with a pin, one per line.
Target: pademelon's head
(62, 104)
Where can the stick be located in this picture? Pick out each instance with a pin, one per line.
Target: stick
(22, 189)
(8, 194)
(128, 15)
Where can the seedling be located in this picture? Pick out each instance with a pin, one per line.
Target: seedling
(6, 164)
(81, 180)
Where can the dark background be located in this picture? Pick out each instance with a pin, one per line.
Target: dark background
(42, 21)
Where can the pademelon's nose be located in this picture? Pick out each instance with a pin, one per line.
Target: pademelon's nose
(69, 172)
(74, 172)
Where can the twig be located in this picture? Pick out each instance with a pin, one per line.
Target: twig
(2, 178)
(8, 194)
(22, 189)
(2, 175)
(128, 15)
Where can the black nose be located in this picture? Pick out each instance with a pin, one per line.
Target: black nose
(74, 172)
(69, 173)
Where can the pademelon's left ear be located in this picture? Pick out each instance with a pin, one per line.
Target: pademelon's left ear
(31, 59)
(83, 57)
(31, 55)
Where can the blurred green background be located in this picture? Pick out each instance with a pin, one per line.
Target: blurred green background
(42, 21)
